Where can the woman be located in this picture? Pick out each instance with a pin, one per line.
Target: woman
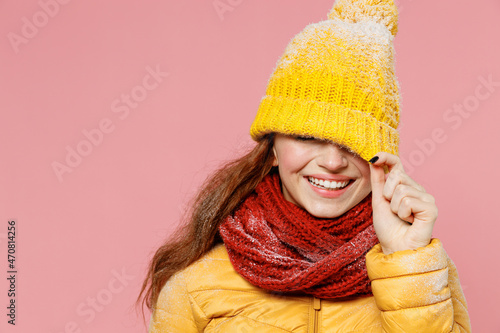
(318, 228)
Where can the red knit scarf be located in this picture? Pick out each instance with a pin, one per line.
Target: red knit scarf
(279, 246)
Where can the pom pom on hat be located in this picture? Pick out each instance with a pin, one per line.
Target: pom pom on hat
(382, 11)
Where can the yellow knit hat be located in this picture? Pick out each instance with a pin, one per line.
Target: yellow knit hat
(336, 81)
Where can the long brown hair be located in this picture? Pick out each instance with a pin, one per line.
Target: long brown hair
(218, 197)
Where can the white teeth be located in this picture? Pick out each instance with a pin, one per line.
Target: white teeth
(331, 185)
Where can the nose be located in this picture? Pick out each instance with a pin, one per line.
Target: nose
(332, 157)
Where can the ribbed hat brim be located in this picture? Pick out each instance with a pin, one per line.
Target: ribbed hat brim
(356, 130)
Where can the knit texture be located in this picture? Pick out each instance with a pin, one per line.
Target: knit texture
(278, 246)
(336, 81)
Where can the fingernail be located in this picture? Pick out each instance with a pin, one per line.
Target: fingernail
(373, 160)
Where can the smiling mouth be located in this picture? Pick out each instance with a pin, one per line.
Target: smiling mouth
(328, 184)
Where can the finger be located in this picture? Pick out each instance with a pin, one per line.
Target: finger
(413, 209)
(405, 191)
(404, 210)
(390, 160)
(377, 178)
(398, 177)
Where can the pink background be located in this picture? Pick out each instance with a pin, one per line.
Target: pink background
(69, 72)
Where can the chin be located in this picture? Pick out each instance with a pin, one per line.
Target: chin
(325, 213)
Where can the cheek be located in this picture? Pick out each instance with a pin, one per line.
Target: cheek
(367, 186)
(365, 172)
(292, 160)
(287, 165)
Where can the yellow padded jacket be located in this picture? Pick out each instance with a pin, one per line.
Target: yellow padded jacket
(413, 291)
